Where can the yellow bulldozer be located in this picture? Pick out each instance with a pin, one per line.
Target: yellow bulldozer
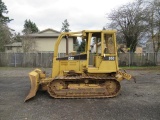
(73, 75)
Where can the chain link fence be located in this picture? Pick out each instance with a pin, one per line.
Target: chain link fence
(26, 59)
(44, 59)
(139, 59)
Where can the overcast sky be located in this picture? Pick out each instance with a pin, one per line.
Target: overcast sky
(81, 14)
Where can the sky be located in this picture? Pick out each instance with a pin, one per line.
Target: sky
(81, 14)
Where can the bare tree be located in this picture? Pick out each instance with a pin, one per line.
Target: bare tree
(153, 20)
(153, 24)
(158, 24)
(28, 43)
(129, 22)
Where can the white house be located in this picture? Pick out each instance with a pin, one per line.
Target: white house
(42, 41)
(149, 44)
(13, 47)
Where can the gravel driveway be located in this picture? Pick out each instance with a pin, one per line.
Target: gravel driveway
(137, 101)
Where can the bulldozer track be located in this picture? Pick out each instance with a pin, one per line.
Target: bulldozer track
(60, 87)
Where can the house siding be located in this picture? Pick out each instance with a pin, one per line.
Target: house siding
(14, 49)
(47, 44)
(43, 41)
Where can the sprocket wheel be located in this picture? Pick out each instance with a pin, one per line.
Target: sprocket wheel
(54, 86)
(112, 87)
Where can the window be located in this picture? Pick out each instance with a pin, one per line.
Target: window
(9, 48)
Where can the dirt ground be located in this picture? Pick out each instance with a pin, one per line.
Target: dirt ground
(136, 101)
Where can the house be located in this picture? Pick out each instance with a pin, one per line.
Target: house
(44, 41)
(139, 49)
(149, 44)
(13, 47)
(93, 48)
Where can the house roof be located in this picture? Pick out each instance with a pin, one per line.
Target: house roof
(15, 44)
(46, 33)
(49, 29)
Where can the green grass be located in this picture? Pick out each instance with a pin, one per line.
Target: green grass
(142, 68)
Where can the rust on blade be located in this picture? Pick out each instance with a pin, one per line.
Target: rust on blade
(34, 79)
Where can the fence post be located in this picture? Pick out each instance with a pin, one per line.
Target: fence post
(15, 60)
(129, 59)
(141, 59)
(41, 58)
(24, 61)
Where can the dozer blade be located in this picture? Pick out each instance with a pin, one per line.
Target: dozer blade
(34, 78)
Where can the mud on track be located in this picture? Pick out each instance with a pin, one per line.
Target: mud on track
(139, 100)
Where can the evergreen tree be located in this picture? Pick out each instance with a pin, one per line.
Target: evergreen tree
(76, 45)
(5, 36)
(3, 10)
(17, 37)
(5, 31)
(65, 26)
(81, 48)
(30, 27)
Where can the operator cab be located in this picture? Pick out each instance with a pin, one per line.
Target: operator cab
(98, 56)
